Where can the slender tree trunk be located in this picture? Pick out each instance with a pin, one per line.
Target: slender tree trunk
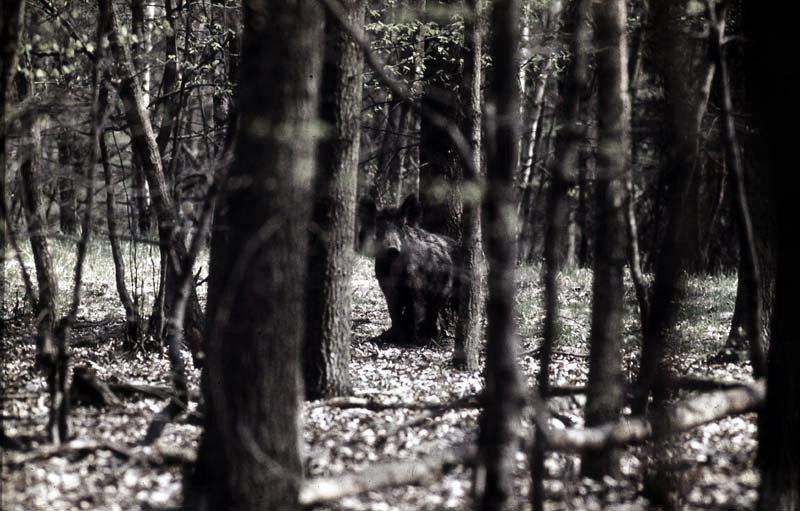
(33, 200)
(67, 198)
(51, 352)
(133, 322)
(249, 455)
(439, 161)
(169, 86)
(567, 147)
(225, 108)
(326, 359)
(10, 31)
(171, 246)
(750, 269)
(389, 159)
(604, 392)
(139, 210)
(686, 98)
(470, 289)
(499, 421)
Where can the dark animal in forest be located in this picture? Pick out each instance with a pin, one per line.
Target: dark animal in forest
(417, 270)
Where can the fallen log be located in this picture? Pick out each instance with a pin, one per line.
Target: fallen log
(325, 489)
(680, 416)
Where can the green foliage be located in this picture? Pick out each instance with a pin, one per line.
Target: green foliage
(409, 41)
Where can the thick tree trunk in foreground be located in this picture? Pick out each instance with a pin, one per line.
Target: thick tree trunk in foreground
(774, 87)
(604, 398)
(499, 421)
(326, 357)
(249, 455)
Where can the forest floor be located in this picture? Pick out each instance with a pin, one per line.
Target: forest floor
(414, 405)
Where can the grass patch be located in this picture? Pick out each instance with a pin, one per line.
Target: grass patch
(702, 325)
(99, 298)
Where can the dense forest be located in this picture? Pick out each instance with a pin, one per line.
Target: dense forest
(508, 184)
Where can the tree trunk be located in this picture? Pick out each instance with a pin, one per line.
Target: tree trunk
(567, 147)
(33, 200)
(10, 32)
(779, 420)
(390, 156)
(171, 246)
(759, 187)
(604, 392)
(499, 421)
(439, 161)
(686, 94)
(133, 322)
(749, 293)
(470, 289)
(326, 359)
(67, 199)
(170, 100)
(249, 455)
(225, 108)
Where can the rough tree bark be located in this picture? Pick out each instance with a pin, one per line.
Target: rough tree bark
(470, 289)
(499, 421)
(604, 392)
(326, 357)
(249, 455)
(10, 32)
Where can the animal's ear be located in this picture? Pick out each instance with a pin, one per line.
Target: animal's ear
(411, 210)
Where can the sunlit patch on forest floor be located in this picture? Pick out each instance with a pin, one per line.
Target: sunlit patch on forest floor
(106, 467)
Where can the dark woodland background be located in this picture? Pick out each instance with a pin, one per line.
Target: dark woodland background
(647, 142)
